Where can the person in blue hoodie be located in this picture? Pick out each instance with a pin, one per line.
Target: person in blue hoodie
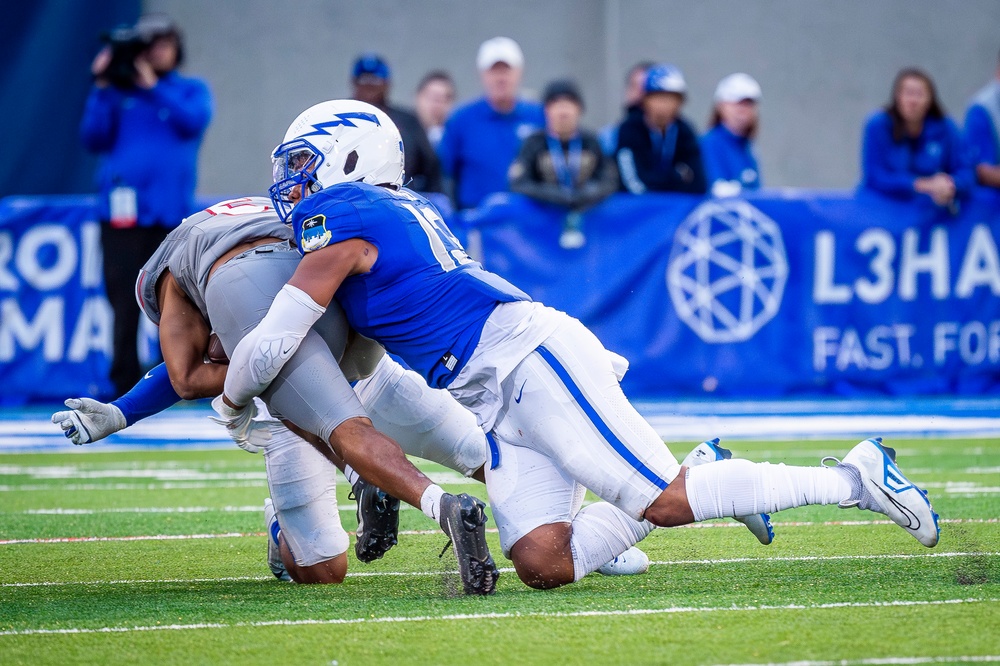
(727, 147)
(147, 128)
(912, 149)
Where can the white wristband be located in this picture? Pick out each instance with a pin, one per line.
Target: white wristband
(261, 354)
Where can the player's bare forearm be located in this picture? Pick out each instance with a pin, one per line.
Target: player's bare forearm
(206, 381)
(379, 460)
(321, 273)
(184, 342)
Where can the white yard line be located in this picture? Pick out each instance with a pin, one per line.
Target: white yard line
(228, 535)
(254, 508)
(155, 537)
(169, 485)
(826, 558)
(495, 616)
(887, 661)
(369, 574)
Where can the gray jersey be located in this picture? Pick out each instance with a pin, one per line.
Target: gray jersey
(190, 250)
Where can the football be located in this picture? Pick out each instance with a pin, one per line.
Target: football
(216, 352)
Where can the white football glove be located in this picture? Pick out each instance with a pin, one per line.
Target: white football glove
(249, 434)
(89, 420)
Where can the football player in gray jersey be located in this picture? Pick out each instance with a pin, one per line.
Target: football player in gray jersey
(221, 269)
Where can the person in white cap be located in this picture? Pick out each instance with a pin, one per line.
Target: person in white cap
(727, 147)
(483, 137)
(657, 150)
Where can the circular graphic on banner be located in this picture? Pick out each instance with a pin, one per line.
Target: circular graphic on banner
(727, 270)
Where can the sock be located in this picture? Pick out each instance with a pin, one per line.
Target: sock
(742, 488)
(602, 532)
(352, 476)
(275, 531)
(430, 501)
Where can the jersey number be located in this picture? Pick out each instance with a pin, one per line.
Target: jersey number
(448, 252)
(244, 206)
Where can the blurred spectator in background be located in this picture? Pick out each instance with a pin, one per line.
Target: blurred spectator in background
(562, 164)
(146, 121)
(657, 150)
(434, 101)
(483, 137)
(635, 89)
(370, 83)
(982, 133)
(726, 148)
(911, 148)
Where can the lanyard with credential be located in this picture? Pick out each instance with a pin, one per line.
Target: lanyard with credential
(664, 145)
(567, 169)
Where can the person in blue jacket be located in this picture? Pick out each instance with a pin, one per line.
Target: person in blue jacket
(657, 149)
(912, 149)
(147, 131)
(982, 132)
(482, 138)
(727, 147)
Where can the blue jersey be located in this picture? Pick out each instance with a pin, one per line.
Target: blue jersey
(728, 156)
(424, 299)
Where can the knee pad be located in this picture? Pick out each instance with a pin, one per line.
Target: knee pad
(303, 490)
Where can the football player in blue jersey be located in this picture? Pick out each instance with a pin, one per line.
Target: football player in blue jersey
(219, 271)
(540, 384)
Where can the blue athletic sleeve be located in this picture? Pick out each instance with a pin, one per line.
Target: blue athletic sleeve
(877, 172)
(325, 218)
(151, 395)
(99, 124)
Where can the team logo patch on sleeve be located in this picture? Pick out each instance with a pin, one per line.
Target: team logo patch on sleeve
(315, 234)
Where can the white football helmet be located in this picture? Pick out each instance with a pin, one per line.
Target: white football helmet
(340, 141)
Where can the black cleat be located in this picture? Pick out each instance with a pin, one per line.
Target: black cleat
(378, 521)
(464, 521)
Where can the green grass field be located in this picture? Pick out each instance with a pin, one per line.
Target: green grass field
(158, 557)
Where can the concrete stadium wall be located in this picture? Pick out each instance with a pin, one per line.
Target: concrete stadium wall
(823, 66)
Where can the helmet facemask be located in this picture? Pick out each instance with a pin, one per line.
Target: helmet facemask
(293, 164)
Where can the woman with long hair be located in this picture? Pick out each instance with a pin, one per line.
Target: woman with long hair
(911, 148)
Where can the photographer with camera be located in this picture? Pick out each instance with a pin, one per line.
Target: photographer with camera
(146, 122)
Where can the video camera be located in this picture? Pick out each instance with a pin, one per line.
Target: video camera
(126, 43)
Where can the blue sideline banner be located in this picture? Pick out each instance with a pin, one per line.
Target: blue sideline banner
(781, 293)
(55, 322)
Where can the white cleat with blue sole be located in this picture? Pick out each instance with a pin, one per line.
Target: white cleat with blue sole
(759, 524)
(879, 486)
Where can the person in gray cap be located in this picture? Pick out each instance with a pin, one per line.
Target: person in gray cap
(657, 150)
(562, 164)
